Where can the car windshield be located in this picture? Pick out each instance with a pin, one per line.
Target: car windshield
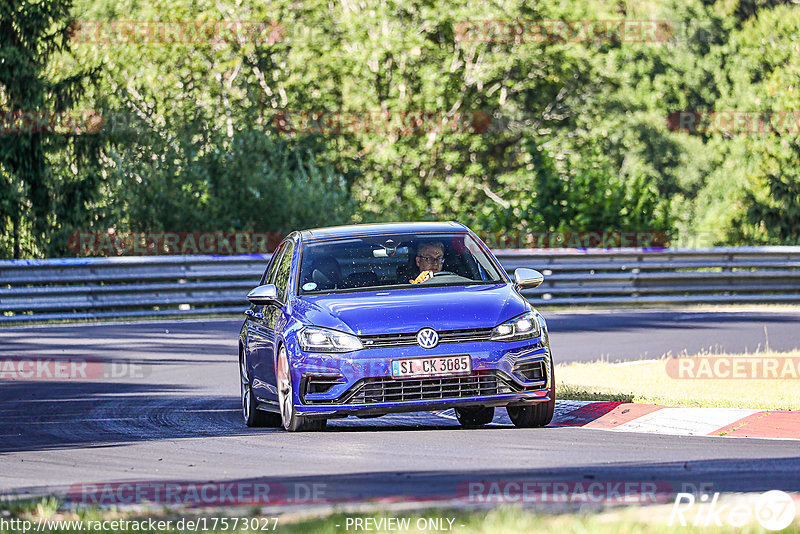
(394, 261)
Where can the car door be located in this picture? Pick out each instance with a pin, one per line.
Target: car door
(260, 339)
(268, 324)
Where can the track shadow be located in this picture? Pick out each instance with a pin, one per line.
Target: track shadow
(611, 484)
(54, 415)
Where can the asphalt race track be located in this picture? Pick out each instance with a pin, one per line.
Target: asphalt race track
(174, 416)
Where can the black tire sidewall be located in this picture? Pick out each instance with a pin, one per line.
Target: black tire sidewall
(474, 417)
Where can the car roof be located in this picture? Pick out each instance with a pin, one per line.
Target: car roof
(356, 230)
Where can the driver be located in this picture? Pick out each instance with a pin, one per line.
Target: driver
(430, 258)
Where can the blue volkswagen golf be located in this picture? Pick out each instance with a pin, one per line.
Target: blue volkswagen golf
(367, 320)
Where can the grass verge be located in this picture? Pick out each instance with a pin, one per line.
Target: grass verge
(653, 382)
(498, 520)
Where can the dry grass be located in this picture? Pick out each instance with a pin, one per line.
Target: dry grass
(649, 382)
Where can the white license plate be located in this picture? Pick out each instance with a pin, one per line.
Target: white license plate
(433, 366)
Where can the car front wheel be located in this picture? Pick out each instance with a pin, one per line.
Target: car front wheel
(473, 417)
(291, 420)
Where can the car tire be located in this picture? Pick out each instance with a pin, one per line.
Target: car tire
(253, 417)
(535, 415)
(290, 419)
(473, 417)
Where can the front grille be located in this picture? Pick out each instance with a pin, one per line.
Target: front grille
(385, 389)
(445, 336)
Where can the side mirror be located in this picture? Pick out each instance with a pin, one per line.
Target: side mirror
(263, 295)
(527, 278)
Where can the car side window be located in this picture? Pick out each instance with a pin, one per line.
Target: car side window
(284, 268)
(269, 273)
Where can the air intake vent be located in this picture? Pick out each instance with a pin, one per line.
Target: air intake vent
(312, 383)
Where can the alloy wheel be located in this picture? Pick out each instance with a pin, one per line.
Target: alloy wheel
(245, 388)
(285, 389)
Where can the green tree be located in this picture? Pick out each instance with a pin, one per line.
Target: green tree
(750, 191)
(251, 182)
(48, 180)
(191, 144)
(577, 138)
(773, 206)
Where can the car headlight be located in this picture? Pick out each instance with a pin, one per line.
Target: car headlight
(315, 339)
(524, 326)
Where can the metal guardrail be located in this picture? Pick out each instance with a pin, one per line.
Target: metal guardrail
(89, 288)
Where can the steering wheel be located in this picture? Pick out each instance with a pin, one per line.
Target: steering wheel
(443, 273)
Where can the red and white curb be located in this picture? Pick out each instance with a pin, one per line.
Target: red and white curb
(655, 419)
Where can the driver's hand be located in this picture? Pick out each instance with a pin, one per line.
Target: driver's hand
(424, 275)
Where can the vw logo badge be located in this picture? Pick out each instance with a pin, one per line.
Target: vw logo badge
(427, 338)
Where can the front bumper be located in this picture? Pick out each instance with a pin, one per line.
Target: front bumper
(360, 383)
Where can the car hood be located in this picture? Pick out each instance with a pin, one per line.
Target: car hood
(408, 310)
